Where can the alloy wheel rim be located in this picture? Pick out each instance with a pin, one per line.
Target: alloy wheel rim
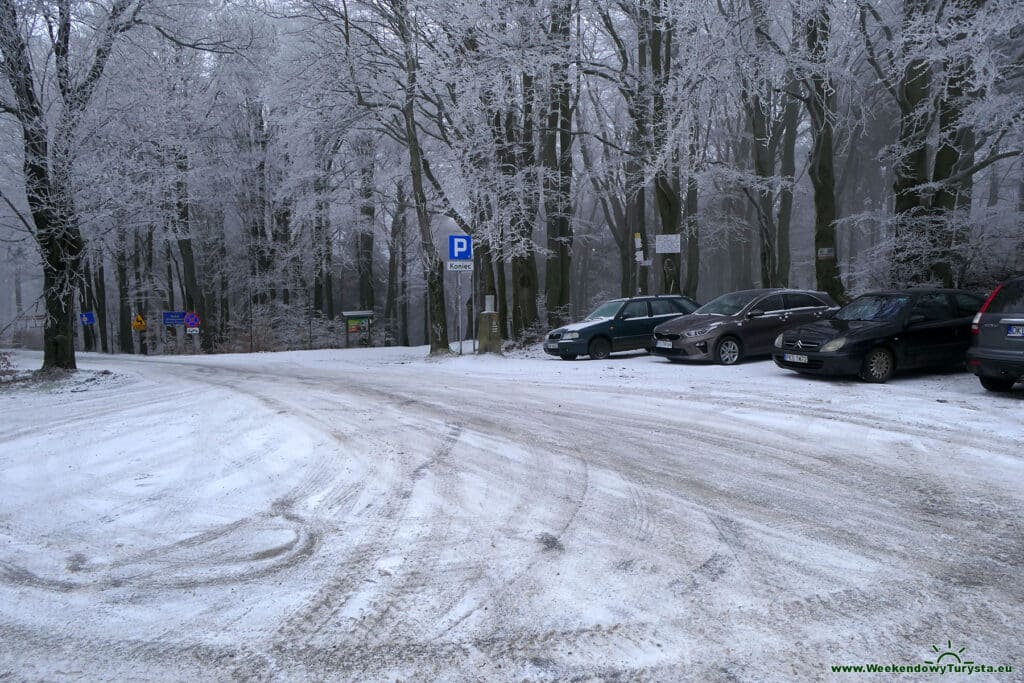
(879, 364)
(729, 352)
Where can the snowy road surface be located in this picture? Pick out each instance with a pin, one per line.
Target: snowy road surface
(368, 514)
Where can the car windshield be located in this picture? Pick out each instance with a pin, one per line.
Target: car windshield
(605, 310)
(873, 308)
(727, 304)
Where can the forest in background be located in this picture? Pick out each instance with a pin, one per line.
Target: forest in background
(270, 165)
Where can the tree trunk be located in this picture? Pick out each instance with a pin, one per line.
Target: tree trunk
(394, 256)
(432, 265)
(692, 227)
(124, 309)
(821, 105)
(557, 162)
(100, 288)
(790, 123)
(364, 149)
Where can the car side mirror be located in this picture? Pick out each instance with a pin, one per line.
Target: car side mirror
(756, 313)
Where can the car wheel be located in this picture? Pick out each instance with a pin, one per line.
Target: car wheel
(729, 351)
(999, 384)
(600, 348)
(878, 366)
(568, 356)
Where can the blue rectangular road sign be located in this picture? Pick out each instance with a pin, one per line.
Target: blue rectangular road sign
(172, 318)
(460, 248)
(87, 318)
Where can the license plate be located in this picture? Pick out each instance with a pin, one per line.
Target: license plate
(663, 344)
(795, 357)
(551, 345)
(1015, 331)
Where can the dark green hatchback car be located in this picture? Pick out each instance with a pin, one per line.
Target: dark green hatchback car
(617, 325)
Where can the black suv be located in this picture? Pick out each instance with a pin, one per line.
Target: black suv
(996, 355)
(617, 325)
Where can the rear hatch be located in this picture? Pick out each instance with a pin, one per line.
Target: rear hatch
(1001, 325)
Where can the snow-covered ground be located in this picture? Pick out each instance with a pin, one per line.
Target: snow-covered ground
(372, 514)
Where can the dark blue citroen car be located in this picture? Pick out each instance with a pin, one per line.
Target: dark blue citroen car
(617, 325)
(879, 333)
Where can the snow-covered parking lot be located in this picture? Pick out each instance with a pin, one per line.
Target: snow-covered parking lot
(371, 514)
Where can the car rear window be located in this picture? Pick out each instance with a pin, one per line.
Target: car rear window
(1009, 298)
(802, 301)
(770, 303)
(635, 309)
(667, 307)
(967, 305)
(933, 306)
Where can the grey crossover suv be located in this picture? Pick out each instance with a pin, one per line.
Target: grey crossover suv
(739, 324)
(996, 355)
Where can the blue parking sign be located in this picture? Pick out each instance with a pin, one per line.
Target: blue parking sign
(460, 248)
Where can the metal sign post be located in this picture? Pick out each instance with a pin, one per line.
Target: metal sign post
(460, 260)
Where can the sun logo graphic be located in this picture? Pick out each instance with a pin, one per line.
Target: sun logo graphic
(948, 655)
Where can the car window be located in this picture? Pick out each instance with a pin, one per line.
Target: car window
(667, 307)
(932, 306)
(1009, 298)
(803, 301)
(605, 310)
(727, 304)
(966, 305)
(875, 307)
(770, 304)
(635, 309)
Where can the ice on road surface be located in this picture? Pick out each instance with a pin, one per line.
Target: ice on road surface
(372, 514)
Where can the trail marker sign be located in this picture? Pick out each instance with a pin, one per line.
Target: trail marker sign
(87, 318)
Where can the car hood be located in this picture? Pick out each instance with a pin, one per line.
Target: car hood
(693, 321)
(824, 330)
(581, 325)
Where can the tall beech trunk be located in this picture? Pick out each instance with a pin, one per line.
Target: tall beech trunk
(692, 227)
(821, 105)
(126, 343)
(367, 214)
(556, 158)
(100, 289)
(432, 264)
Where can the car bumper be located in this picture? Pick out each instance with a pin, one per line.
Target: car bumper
(994, 363)
(819, 363)
(563, 348)
(684, 349)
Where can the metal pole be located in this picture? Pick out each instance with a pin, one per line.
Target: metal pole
(458, 306)
(472, 309)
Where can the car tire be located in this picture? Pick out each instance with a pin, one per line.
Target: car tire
(728, 351)
(997, 384)
(568, 356)
(599, 349)
(878, 365)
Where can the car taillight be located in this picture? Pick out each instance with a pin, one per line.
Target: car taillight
(975, 324)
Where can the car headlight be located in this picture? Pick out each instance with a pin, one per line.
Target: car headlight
(778, 341)
(697, 333)
(834, 345)
(571, 335)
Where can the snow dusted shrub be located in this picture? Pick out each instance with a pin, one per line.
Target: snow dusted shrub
(7, 370)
